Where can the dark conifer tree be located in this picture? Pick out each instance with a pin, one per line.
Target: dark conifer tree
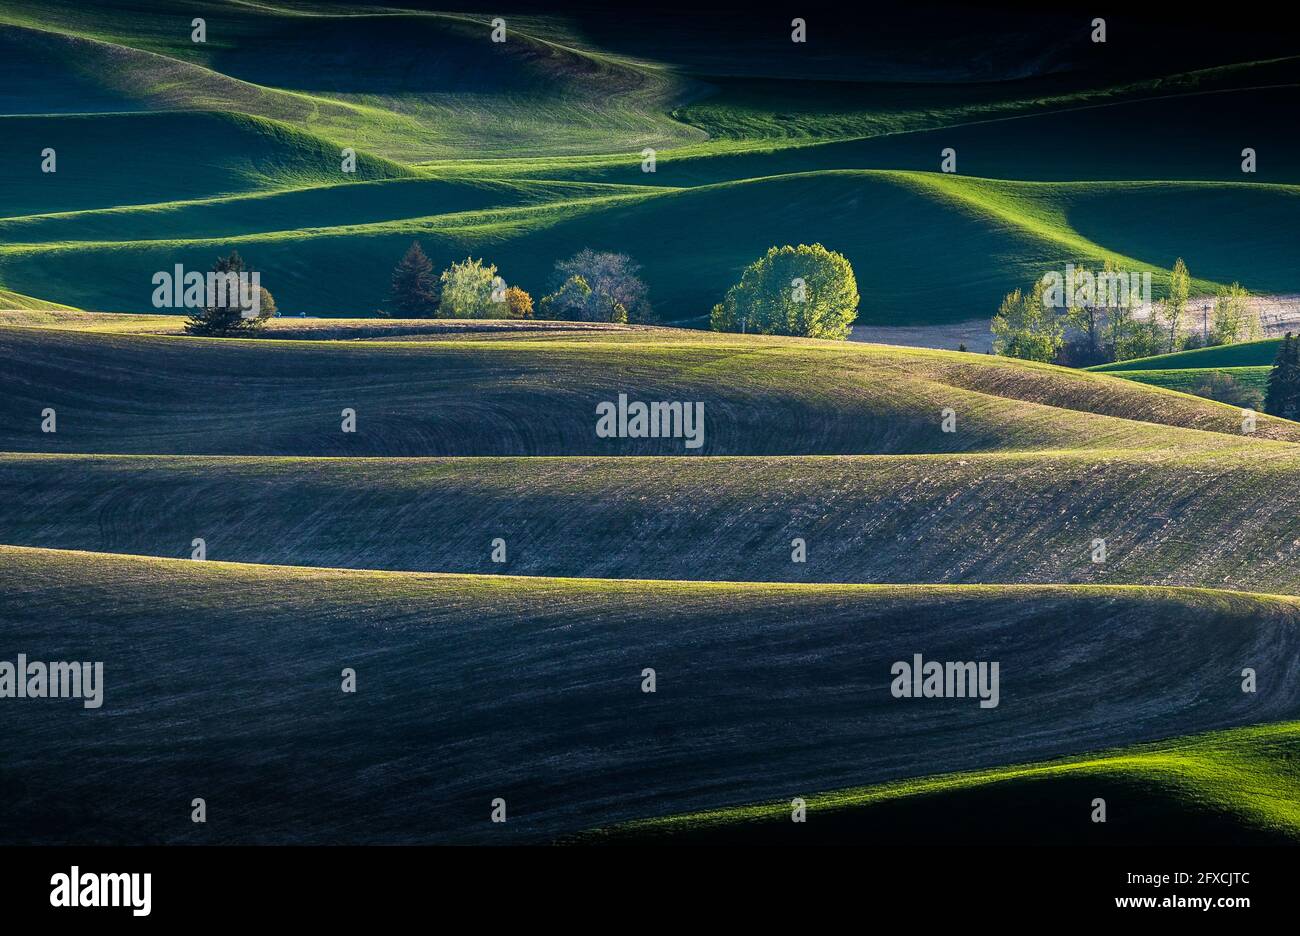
(1283, 398)
(415, 288)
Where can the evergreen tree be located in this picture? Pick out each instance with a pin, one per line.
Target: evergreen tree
(1283, 398)
(222, 314)
(415, 288)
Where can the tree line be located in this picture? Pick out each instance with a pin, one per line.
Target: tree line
(1101, 325)
(805, 291)
(590, 286)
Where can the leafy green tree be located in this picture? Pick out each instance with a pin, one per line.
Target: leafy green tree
(1087, 319)
(414, 292)
(225, 318)
(1231, 320)
(807, 291)
(1027, 326)
(1142, 337)
(1118, 315)
(1119, 329)
(1101, 324)
(1176, 306)
(472, 290)
(1283, 397)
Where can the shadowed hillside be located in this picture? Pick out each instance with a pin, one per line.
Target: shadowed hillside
(1234, 787)
(100, 158)
(167, 395)
(1208, 520)
(529, 689)
(926, 248)
(757, 142)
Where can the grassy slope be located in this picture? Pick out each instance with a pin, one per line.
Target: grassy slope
(32, 308)
(581, 112)
(1239, 786)
(100, 158)
(1246, 354)
(277, 210)
(1177, 105)
(993, 234)
(407, 86)
(336, 328)
(1249, 363)
(762, 689)
(1045, 458)
(486, 396)
(1187, 379)
(1207, 520)
(960, 240)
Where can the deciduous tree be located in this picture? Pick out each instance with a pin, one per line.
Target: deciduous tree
(807, 291)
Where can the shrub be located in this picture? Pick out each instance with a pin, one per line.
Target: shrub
(519, 305)
(1225, 388)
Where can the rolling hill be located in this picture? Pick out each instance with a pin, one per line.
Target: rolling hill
(1248, 363)
(213, 154)
(946, 248)
(1245, 354)
(1190, 379)
(448, 125)
(529, 689)
(12, 301)
(1236, 787)
(485, 396)
(406, 85)
(1030, 517)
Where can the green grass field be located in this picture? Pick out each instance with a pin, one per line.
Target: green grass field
(1237, 787)
(14, 302)
(1247, 363)
(1188, 379)
(1245, 354)
(529, 150)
